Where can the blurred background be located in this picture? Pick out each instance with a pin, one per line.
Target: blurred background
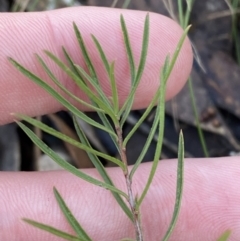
(207, 109)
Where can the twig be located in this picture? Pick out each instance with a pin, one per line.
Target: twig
(131, 200)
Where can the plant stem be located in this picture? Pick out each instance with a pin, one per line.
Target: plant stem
(131, 199)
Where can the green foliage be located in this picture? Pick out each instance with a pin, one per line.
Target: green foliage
(70, 218)
(107, 108)
(183, 17)
(225, 236)
(53, 230)
(179, 189)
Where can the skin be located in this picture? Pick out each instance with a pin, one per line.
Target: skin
(211, 195)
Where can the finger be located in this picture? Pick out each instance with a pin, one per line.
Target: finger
(210, 203)
(22, 35)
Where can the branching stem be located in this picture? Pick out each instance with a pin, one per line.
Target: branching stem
(131, 199)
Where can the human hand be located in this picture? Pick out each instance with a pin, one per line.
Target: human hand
(211, 195)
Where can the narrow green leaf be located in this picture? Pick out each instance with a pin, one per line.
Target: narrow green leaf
(53, 230)
(102, 171)
(65, 165)
(126, 3)
(102, 54)
(57, 82)
(225, 236)
(180, 12)
(114, 89)
(76, 71)
(128, 49)
(127, 106)
(163, 77)
(107, 124)
(107, 67)
(144, 50)
(70, 217)
(176, 53)
(63, 137)
(143, 117)
(101, 115)
(183, 20)
(82, 74)
(59, 97)
(159, 141)
(179, 189)
(70, 62)
(155, 121)
(96, 87)
(166, 65)
(93, 96)
(147, 143)
(85, 53)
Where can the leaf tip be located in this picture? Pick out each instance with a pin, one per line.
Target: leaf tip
(12, 61)
(122, 19)
(15, 117)
(74, 25)
(26, 220)
(187, 28)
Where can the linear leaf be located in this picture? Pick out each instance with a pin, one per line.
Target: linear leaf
(114, 89)
(76, 71)
(56, 81)
(147, 143)
(154, 125)
(85, 53)
(150, 106)
(101, 115)
(70, 62)
(70, 218)
(144, 50)
(166, 65)
(102, 54)
(159, 141)
(59, 97)
(176, 53)
(126, 3)
(63, 137)
(99, 90)
(225, 236)
(53, 230)
(128, 49)
(106, 123)
(107, 67)
(180, 11)
(65, 165)
(102, 171)
(163, 77)
(93, 96)
(127, 106)
(179, 189)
